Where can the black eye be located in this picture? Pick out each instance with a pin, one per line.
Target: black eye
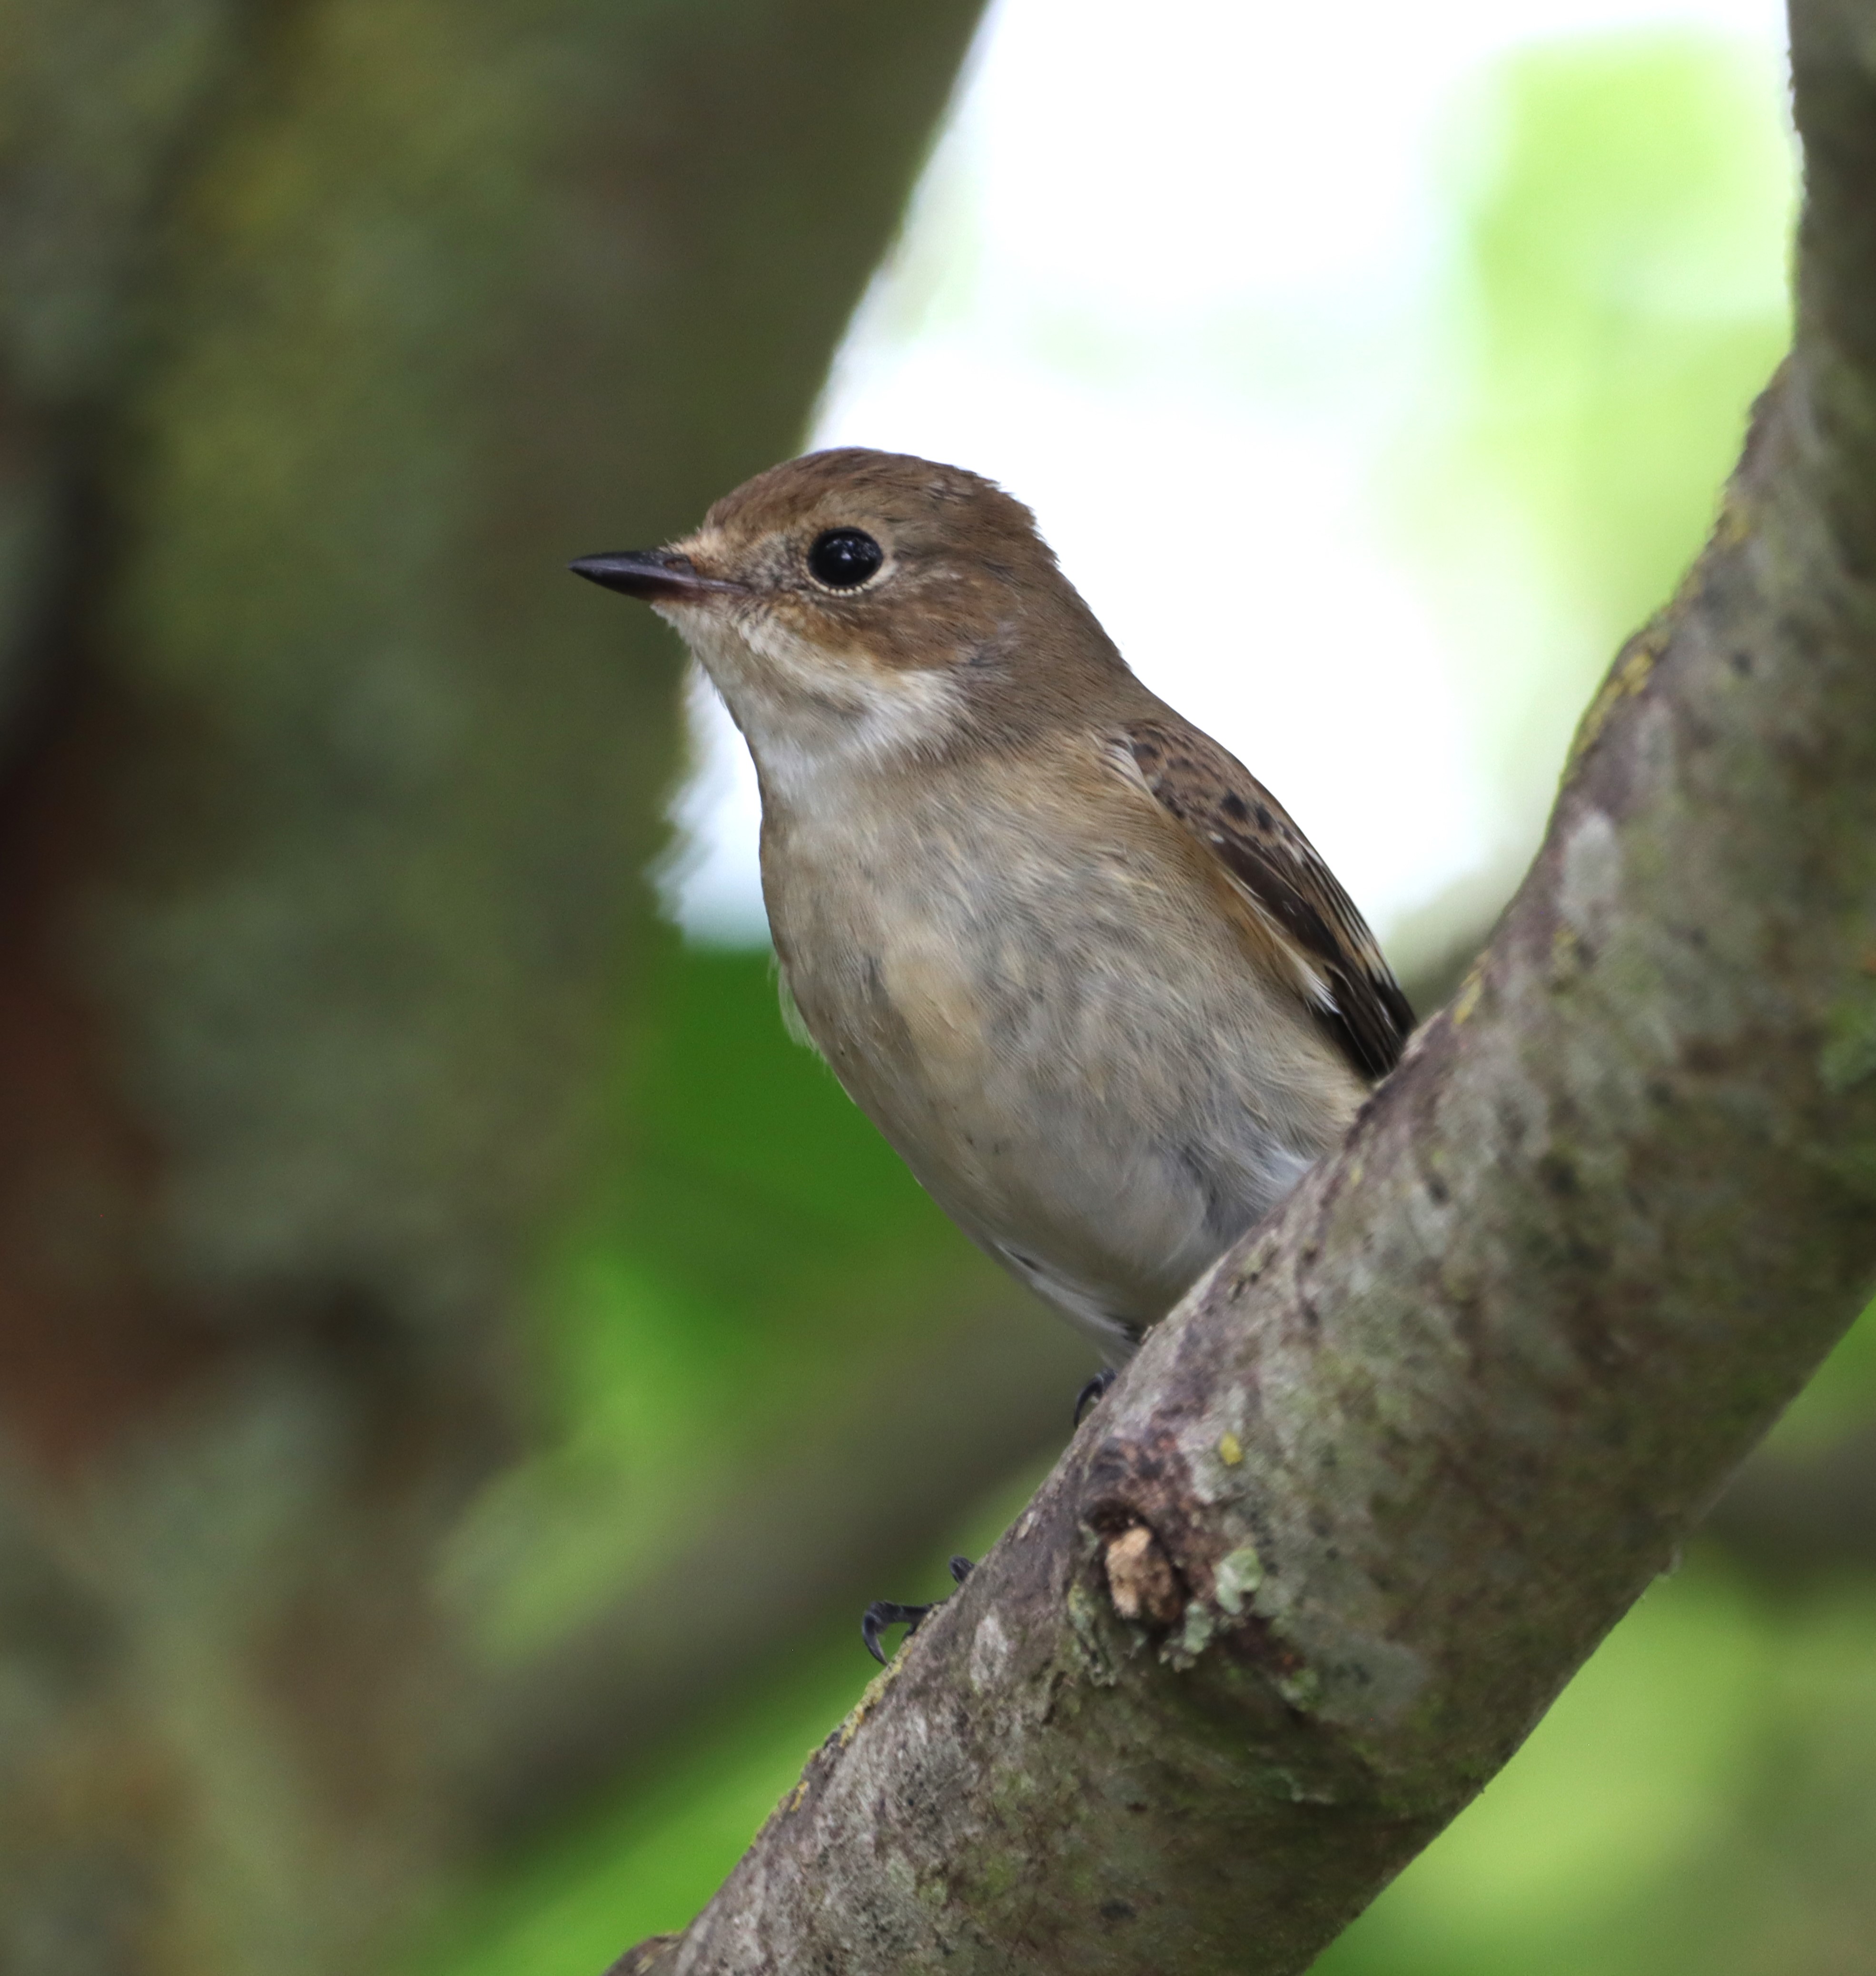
(842, 557)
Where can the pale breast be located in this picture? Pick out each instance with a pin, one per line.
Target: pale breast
(1061, 1031)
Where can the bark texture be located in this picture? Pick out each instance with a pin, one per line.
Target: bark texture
(329, 331)
(1310, 1574)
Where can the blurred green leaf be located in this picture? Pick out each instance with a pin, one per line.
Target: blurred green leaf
(1619, 299)
(760, 1252)
(648, 1861)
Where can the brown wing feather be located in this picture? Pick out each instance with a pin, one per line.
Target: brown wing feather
(1218, 800)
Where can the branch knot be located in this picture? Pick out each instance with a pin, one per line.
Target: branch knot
(1140, 1580)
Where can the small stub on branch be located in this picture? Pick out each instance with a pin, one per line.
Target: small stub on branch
(1140, 1579)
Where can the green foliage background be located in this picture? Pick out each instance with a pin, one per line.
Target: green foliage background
(757, 1253)
(1701, 1799)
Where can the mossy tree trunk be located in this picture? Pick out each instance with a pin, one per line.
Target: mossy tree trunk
(329, 330)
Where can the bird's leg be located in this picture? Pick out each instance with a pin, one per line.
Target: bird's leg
(1091, 1395)
(885, 1613)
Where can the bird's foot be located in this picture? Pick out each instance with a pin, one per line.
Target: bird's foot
(1091, 1395)
(885, 1613)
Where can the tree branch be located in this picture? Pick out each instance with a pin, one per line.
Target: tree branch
(1361, 1507)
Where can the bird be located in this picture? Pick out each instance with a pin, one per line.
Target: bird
(1077, 964)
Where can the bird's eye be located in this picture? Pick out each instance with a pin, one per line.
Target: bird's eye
(843, 559)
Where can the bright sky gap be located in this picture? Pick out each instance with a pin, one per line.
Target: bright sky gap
(1181, 293)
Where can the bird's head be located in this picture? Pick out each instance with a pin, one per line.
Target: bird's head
(853, 604)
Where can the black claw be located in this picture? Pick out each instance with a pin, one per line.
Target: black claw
(1093, 1393)
(882, 1613)
(885, 1613)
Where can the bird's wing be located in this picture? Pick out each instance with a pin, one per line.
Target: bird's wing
(1350, 987)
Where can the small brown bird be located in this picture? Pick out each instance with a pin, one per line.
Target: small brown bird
(1071, 957)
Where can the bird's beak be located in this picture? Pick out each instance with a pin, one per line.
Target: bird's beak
(658, 576)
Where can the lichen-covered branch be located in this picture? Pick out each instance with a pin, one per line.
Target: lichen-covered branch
(1308, 1577)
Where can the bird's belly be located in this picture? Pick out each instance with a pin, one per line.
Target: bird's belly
(1108, 1219)
(1087, 1096)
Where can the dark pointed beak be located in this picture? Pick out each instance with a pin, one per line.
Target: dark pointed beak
(656, 575)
